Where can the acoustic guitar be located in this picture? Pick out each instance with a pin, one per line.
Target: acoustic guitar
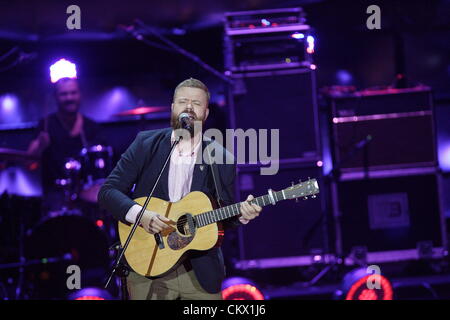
(194, 225)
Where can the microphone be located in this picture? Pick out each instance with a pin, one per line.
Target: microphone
(186, 121)
(363, 142)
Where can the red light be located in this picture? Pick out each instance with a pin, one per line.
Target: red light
(99, 223)
(89, 298)
(359, 290)
(367, 294)
(242, 292)
(252, 26)
(33, 166)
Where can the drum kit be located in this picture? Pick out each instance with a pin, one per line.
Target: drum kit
(43, 243)
(78, 233)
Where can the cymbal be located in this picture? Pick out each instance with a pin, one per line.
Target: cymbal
(13, 155)
(141, 111)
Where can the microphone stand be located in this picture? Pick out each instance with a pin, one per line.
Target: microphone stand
(158, 237)
(172, 46)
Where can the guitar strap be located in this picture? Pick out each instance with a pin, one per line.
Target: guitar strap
(213, 167)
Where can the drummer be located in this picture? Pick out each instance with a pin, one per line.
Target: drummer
(60, 136)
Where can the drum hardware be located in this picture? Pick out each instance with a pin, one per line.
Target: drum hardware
(72, 233)
(22, 264)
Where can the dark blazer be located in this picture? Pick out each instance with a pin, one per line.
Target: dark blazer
(139, 166)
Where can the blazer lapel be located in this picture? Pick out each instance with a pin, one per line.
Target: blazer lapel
(200, 170)
(165, 149)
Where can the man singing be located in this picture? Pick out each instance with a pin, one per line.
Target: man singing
(200, 275)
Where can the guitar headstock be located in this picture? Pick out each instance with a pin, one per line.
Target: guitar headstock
(304, 189)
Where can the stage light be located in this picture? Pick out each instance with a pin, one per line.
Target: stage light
(90, 294)
(10, 109)
(310, 48)
(8, 102)
(444, 155)
(62, 69)
(360, 284)
(344, 77)
(99, 223)
(265, 22)
(319, 163)
(238, 288)
(297, 35)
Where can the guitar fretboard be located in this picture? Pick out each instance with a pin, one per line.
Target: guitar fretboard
(223, 213)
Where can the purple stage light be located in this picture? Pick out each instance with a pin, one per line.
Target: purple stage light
(62, 69)
(90, 294)
(444, 156)
(344, 77)
(9, 109)
(8, 102)
(297, 35)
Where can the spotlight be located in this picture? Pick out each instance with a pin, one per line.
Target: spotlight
(90, 294)
(297, 35)
(62, 69)
(265, 22)
(361, 284)
(310, 48)
(238, 288)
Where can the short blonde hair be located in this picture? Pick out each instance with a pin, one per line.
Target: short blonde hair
(193, 83)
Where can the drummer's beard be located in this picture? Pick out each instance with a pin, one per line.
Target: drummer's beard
(176, 124)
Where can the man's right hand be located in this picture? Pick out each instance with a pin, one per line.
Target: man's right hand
(153, 222)
(38, 145)
(44, 139)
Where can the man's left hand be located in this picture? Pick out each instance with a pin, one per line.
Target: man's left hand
(249, 211)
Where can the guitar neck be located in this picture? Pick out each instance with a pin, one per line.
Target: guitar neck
(223, 213)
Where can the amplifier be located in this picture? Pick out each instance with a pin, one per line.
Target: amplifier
(267, 39)
(391, 212)
(383, 129)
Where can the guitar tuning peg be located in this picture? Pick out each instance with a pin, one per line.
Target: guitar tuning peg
(313, 196)
(305, 198)
(292, 183)
(296, 200)
(309, 178)
(300, 180)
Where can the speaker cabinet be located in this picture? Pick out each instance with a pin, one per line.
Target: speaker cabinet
(288, 228)
(391, 213)
(283, 100)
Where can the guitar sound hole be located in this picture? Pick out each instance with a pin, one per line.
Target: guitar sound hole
(185, 225)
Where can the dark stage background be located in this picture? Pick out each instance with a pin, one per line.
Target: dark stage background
(117, 72)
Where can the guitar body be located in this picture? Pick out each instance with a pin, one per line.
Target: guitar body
(143, 254)
(189, 231)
